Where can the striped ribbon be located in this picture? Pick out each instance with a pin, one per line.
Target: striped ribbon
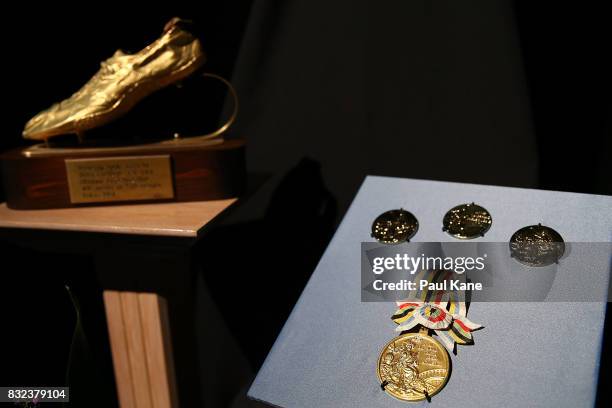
(443, 311)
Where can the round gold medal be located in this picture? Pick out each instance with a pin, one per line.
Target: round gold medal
(537, 245)
(394, 226)
(467, 221)
(413, 367)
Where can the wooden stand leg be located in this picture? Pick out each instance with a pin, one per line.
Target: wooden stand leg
(119, 350)
(158, 346)
(159, 273)
(141, 348)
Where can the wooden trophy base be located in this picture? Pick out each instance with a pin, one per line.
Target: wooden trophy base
(40, 177)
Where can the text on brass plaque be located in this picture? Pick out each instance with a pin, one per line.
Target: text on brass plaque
(119, 179)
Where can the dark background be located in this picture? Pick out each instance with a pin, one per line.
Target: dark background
(50, 52)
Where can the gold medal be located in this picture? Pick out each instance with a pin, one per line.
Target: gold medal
(413, 366)
(467, 221)
(394, 226)
(537, 245)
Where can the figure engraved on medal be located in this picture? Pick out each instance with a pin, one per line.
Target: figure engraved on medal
(467, 221)
(413, 366)
(394, 227)
(537, 245)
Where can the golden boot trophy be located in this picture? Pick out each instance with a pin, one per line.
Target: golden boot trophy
(53, 175)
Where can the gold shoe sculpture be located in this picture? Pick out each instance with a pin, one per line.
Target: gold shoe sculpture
(122, 81)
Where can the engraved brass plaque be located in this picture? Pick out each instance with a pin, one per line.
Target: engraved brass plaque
(111, 179)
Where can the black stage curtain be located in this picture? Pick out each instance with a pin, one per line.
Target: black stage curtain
(494, 92)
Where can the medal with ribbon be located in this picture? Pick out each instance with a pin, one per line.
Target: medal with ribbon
(414, 366)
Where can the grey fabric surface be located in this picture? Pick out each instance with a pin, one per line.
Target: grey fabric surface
(326, 354)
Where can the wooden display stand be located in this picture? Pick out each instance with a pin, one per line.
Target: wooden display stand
(143, 260)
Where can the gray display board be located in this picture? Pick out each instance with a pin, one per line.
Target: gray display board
(529, 354)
